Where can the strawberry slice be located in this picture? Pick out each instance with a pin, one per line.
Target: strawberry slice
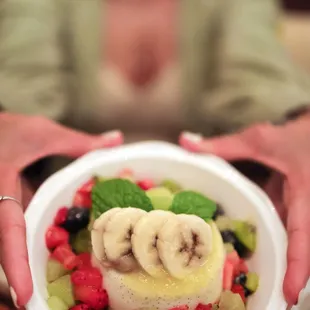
(204, 307)
(81, 307)
(56, 236)
(88, 276)
(238, 289)
(96, 298)
(228, 275)
(184, 307)
(146, 184)
(65, 256)
(82, 200)
(61, 216)
(84, 260)
(87, 187)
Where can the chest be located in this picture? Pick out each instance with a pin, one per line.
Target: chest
(140, 37)
(174, 33)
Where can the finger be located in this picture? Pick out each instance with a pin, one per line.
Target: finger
(14, 257)
(63, 141)
(298, 223)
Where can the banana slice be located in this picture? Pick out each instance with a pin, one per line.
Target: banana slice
(117, 239)
(184, 243)
(97, 233)
(144, 241)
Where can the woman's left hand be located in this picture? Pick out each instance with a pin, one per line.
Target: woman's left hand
(286, 149)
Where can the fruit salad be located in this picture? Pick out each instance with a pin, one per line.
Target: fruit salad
(130, 244)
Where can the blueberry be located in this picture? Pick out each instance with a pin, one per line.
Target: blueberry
(219, 211)
(240, 279)
(77, 219)
(230, 237)
(242, 251)
(247, 292)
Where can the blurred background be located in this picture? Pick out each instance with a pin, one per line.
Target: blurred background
(296, 30)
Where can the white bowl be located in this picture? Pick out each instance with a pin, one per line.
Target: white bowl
(208, 174)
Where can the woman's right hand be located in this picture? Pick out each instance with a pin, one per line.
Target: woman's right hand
(24, 140)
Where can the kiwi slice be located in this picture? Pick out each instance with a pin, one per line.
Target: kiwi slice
(160, 197)
(231, 301)
(81, 242)
(171, 185)
(54, 270)
(55, 303)
(224, 223)
(246, 234)
(62, 288)
(252, 282)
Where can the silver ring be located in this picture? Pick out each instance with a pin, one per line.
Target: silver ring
(2, 198)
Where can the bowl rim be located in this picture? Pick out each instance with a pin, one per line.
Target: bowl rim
(153, 149)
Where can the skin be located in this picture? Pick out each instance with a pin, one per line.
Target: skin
(23, 142)
(285, 149)
(145, 42)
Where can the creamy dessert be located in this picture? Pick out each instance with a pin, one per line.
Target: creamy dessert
(158, 260)
(129, 244)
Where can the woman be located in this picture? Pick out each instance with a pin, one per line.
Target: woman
(152, 69)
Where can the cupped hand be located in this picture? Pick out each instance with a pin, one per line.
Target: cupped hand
(24, 140)
(285, 149)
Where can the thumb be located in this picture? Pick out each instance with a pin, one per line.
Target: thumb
(70, 143)
(256, 143)
(74, 144)
(229, 147)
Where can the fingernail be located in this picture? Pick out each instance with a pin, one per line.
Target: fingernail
(192, 137)
(14, 297)
(110, 139)
(113, 134)
(191, 141)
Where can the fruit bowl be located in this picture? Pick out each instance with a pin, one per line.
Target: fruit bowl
(206, 174)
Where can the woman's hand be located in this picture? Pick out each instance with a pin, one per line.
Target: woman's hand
(24, 140)
(286, 149)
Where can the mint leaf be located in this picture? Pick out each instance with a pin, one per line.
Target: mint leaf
(118, 193)
(190, 202)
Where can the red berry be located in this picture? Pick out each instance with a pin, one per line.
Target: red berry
(238, 289)
(96, 298)
(84, 260)
(204, 307)
(65, 256)
(61, 216)
(87, 187)
(82, 200)
(185, 307)
(56, 236)
(146, 184)
(81, 307)
(88, 276)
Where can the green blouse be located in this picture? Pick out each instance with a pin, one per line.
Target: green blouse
(235, 69)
